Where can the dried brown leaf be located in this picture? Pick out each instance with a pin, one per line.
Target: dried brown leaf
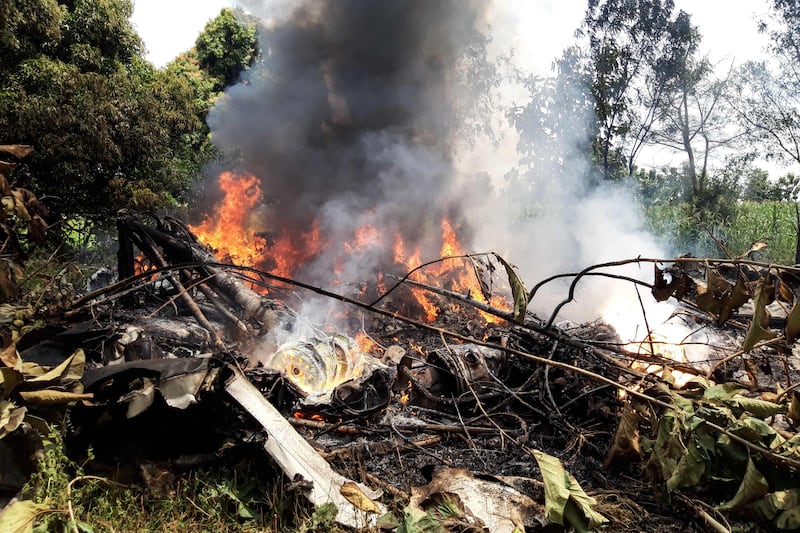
(739, 296)
(356, 496)
(10, 357)
(765, 294)
(17, 150)
(626, 440)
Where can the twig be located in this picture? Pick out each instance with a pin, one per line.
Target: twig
(70, 510)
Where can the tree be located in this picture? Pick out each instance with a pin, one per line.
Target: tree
(227, 46)
(556, 125)
(694, 116)
(626, 38)
(109, 130)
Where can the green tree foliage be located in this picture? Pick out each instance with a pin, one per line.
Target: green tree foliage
(227, 47)
(556, 126)
(626, 42)
(767, 94)
(108, 129)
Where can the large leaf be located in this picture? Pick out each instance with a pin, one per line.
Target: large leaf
(739, 296)
(626, 439)
(20, 516)
(356, 496)
(70, 370)
(759, 408)
(517, 290)
(753, 487)
(563, 495)
(10, 357)
(758, 332)
(9, 379)
(17, 150)
(792, 327)
(678, 286)
(689, 470)
(710, 297)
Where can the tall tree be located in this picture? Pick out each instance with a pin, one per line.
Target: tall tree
(625, 38)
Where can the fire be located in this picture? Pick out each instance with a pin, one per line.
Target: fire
(229, 230)
(234, 230)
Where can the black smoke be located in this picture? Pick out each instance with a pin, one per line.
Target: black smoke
(352, 115)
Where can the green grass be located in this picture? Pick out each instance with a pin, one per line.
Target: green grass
(242, 495)
(687, 231)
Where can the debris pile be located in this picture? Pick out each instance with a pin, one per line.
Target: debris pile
(508, 424)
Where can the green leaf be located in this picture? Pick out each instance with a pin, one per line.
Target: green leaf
(585, 505)
(753, 487)
(556, 491)
(757, 407)
(517, 290)
(563, 495)
(789, 519)
(689, 470)
(723, 391)
(20, 516)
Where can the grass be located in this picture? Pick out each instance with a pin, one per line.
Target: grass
(687, 231)
(245, 494)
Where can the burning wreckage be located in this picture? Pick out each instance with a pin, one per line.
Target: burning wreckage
(516, 421)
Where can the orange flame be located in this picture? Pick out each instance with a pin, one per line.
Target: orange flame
(228, 232)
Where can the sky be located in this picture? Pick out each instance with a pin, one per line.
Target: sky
(543, 27)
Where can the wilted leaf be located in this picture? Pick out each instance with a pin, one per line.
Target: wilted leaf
(356, 496)
(9, 379)
(753, 487)
(20, 516)
(11, 417)
(770, 506)
(757, 407)
(556, 491)
(517, 290)
(710, 297)
(689, 470)
(71, 369)
(789, 520)
(585, 505)
(792, 328)
(783, 291)
(53, 397)
(677, 287)
(757, 332)
(757, 246)
(626, 440)
(738, 297)
(794, 409)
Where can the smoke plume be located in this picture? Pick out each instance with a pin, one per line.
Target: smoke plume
(391, 113)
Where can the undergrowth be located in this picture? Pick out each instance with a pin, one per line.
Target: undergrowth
(242, 494)
(686, 230)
